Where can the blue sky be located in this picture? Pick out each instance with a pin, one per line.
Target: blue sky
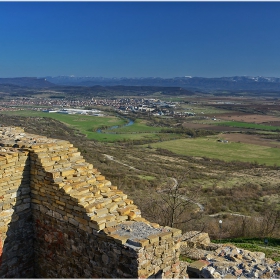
(139, 39)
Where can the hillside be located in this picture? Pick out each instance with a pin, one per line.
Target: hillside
(234, 191)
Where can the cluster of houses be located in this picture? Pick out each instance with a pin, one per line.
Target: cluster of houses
(155, 107)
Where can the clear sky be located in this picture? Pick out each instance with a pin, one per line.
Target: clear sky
(139, 39)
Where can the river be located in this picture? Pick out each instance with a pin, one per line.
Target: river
(130, 122)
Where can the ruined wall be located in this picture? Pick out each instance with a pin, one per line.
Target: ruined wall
(82, 226)
(16, 229)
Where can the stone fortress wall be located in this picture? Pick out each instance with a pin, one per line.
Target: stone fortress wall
(61, 218)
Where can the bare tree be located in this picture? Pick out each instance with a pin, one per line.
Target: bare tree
(174, 206)
(270, 221)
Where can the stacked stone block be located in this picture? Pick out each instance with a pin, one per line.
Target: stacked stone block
(71, 188)
(157, 253)
(76, 214)
(16, 233)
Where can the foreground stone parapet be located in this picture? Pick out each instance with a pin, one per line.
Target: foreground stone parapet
(61, 218)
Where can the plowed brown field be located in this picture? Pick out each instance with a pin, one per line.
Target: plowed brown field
(218, 128)
(250, 139)
(250, 118)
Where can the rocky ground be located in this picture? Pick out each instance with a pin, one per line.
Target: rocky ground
(224, 260)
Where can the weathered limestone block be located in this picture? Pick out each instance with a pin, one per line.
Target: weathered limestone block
(195, 239)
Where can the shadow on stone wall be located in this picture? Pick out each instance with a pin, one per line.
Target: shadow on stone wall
(17, 259)
(52, 234)
(65, 246)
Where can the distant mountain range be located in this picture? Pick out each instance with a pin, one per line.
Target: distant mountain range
(190, 83)
(236, 83)
(26, 82)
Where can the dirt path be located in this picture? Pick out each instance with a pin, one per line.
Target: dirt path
(201, 207)
(112, 158)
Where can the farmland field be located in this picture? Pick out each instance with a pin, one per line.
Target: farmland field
(210, 126)
(250, 125)
(206, 110)
(250, 139)
(251, 118)
(211, 148)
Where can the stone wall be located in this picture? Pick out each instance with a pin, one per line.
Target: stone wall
(82, 225)
(16, 230)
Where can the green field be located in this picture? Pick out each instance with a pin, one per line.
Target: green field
(113, 137)
(89, 124)
(210, 148)
(86, 124)
(139, 126)
(250, 125)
